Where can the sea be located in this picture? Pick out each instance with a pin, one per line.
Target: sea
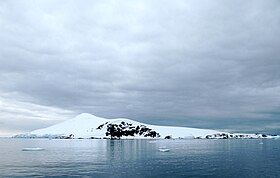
(256, 158)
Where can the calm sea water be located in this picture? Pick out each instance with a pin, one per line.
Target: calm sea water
(140, 158)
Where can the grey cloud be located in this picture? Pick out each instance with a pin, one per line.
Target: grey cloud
(24, 116)
(208, 64)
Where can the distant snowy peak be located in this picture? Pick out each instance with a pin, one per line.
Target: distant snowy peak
(89, 126)
(86, 126)
(86, 116)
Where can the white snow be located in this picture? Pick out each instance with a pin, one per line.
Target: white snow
(163, 150)
(84, 126)
(33, 149)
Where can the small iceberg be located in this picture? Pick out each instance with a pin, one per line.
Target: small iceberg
(163, 150)
(33, 149)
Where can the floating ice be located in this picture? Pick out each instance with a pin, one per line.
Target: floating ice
(163, 150)
(33, 149)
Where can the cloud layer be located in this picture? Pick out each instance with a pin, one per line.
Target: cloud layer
(203, 64)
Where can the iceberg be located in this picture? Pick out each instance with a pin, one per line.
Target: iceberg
(163, 150)
(33, 149)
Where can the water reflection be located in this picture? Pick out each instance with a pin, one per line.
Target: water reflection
(140, 158)
(129, 149)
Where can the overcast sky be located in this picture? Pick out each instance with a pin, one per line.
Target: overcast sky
(207, 64)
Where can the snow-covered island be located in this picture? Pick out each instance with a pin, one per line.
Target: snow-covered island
(89, 126)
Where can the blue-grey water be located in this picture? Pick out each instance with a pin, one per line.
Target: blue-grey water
(140, 158)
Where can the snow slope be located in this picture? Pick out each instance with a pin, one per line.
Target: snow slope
(85, 126)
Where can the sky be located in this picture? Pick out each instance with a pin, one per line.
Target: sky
(206, 64)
